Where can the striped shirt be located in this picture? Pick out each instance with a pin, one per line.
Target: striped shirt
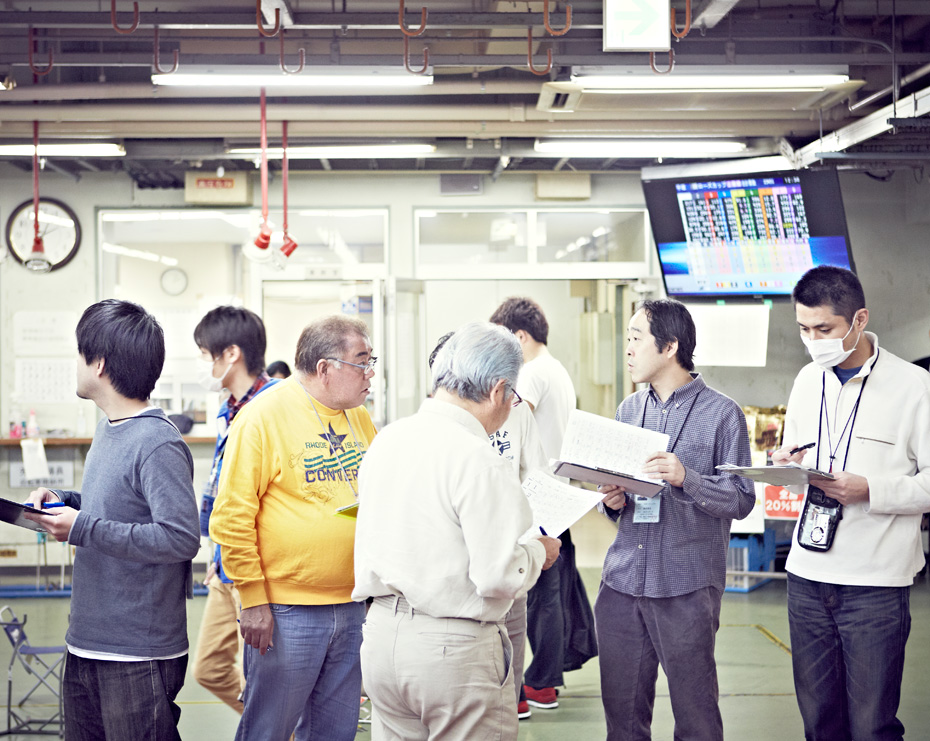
(686, 549)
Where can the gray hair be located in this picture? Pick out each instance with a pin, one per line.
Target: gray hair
(326, 338)
(475, 358)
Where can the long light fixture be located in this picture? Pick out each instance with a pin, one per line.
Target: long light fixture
(88, 149)
(638, 148)
(744, 78)
(310, 78)
(340, 151)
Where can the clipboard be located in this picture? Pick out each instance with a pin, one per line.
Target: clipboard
(12, 512)
(790, 475)
(641, 487)
(350, 511)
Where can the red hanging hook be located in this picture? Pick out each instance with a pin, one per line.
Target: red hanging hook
(289, 245)
(425, 67)
(301, 56)
(156, 63)
(40, 71)
(261, 24)
(568, 20)
(403, 26)
(135, 18)
(674, 25)
(264, 237)
(529, 55)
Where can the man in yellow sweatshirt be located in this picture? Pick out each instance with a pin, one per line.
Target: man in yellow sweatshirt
(292, 459)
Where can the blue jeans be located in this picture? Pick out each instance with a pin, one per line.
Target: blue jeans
(312, 673)
(119, 700)
(847, 649)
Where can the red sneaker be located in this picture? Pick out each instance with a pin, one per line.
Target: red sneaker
(523, 710)
(544, 698)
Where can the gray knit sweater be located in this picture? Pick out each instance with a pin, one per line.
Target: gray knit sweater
(136, 533)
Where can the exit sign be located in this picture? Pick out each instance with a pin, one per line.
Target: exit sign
(637, 25)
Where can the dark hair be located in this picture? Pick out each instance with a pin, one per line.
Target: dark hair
(442, 341)
(326, 338)
(232, 325)
(669, 321)
(278, 366)
(129, 340)
(827, 285)
(518, 313)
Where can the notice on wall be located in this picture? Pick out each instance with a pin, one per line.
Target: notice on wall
(45, 380)
(44, 333)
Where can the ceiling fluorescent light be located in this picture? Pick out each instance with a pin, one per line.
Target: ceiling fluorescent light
(637, 148)
(747, 78)
(89, 149)
(341, 152)
(118, 249)
(310, 78)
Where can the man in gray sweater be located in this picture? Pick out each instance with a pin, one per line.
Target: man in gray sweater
(135, 527)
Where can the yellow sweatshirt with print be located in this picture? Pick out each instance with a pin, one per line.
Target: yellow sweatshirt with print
(284, 474)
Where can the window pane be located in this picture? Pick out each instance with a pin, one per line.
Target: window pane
(471, 238)
(605, 236)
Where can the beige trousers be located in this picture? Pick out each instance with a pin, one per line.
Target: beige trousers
(219, 644)
(441, 679)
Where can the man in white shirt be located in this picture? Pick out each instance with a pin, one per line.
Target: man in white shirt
(867, 414)
(546, 387)
(437, 548)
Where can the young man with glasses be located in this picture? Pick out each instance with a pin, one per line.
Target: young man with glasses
(292, 460)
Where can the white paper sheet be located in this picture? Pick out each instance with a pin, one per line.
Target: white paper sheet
(556, 505)
(598, 442)
(34, 461)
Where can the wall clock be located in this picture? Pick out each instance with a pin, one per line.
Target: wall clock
(174, 281)
(58, 226)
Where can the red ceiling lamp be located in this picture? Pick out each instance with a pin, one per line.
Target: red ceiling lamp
(37, 261)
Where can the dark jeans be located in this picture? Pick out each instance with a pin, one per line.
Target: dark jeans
(545, 628)
(119, 700)
(635, 635)
(847, 649)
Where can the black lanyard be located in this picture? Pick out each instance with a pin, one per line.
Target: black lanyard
(674, 442)
(850, 420)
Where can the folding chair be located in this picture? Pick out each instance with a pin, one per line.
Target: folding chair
(42, 663)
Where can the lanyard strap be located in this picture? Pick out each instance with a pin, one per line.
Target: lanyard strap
(332, 448)
(850, 420)
(674, 442)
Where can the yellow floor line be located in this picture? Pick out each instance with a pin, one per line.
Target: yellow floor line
(764, 631)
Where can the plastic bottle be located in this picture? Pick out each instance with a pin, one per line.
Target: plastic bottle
(32, 427)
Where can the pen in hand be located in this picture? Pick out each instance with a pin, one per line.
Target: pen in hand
(49, 505)
(801, 447)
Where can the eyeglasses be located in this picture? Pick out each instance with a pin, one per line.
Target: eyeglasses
(368, 366)
(517, 398)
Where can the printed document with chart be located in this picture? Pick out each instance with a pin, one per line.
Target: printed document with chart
(599, 450)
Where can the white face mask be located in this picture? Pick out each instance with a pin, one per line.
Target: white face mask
(829, 353)
(205, 375)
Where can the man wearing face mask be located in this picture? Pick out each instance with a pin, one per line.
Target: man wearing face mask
(232, 346)
(867, 414)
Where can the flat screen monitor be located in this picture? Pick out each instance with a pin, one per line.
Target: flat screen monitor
(746, 236)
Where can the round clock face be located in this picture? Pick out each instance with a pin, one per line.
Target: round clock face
(174, 281)
(58, 226)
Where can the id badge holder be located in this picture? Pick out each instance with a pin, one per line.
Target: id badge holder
(820, 519)
(646, 509)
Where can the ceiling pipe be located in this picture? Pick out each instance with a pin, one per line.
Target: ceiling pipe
(879, 94)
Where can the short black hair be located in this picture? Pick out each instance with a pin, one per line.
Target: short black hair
(518, 313)
(278, 366)
(827, 285)
(442, 341)
(232, 325)
(129, 340)
(670, 320)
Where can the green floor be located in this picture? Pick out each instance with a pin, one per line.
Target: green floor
(757, 698)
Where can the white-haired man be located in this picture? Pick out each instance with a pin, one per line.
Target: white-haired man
(437, 548)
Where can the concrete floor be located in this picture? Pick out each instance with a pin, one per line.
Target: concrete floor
(754, 662)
